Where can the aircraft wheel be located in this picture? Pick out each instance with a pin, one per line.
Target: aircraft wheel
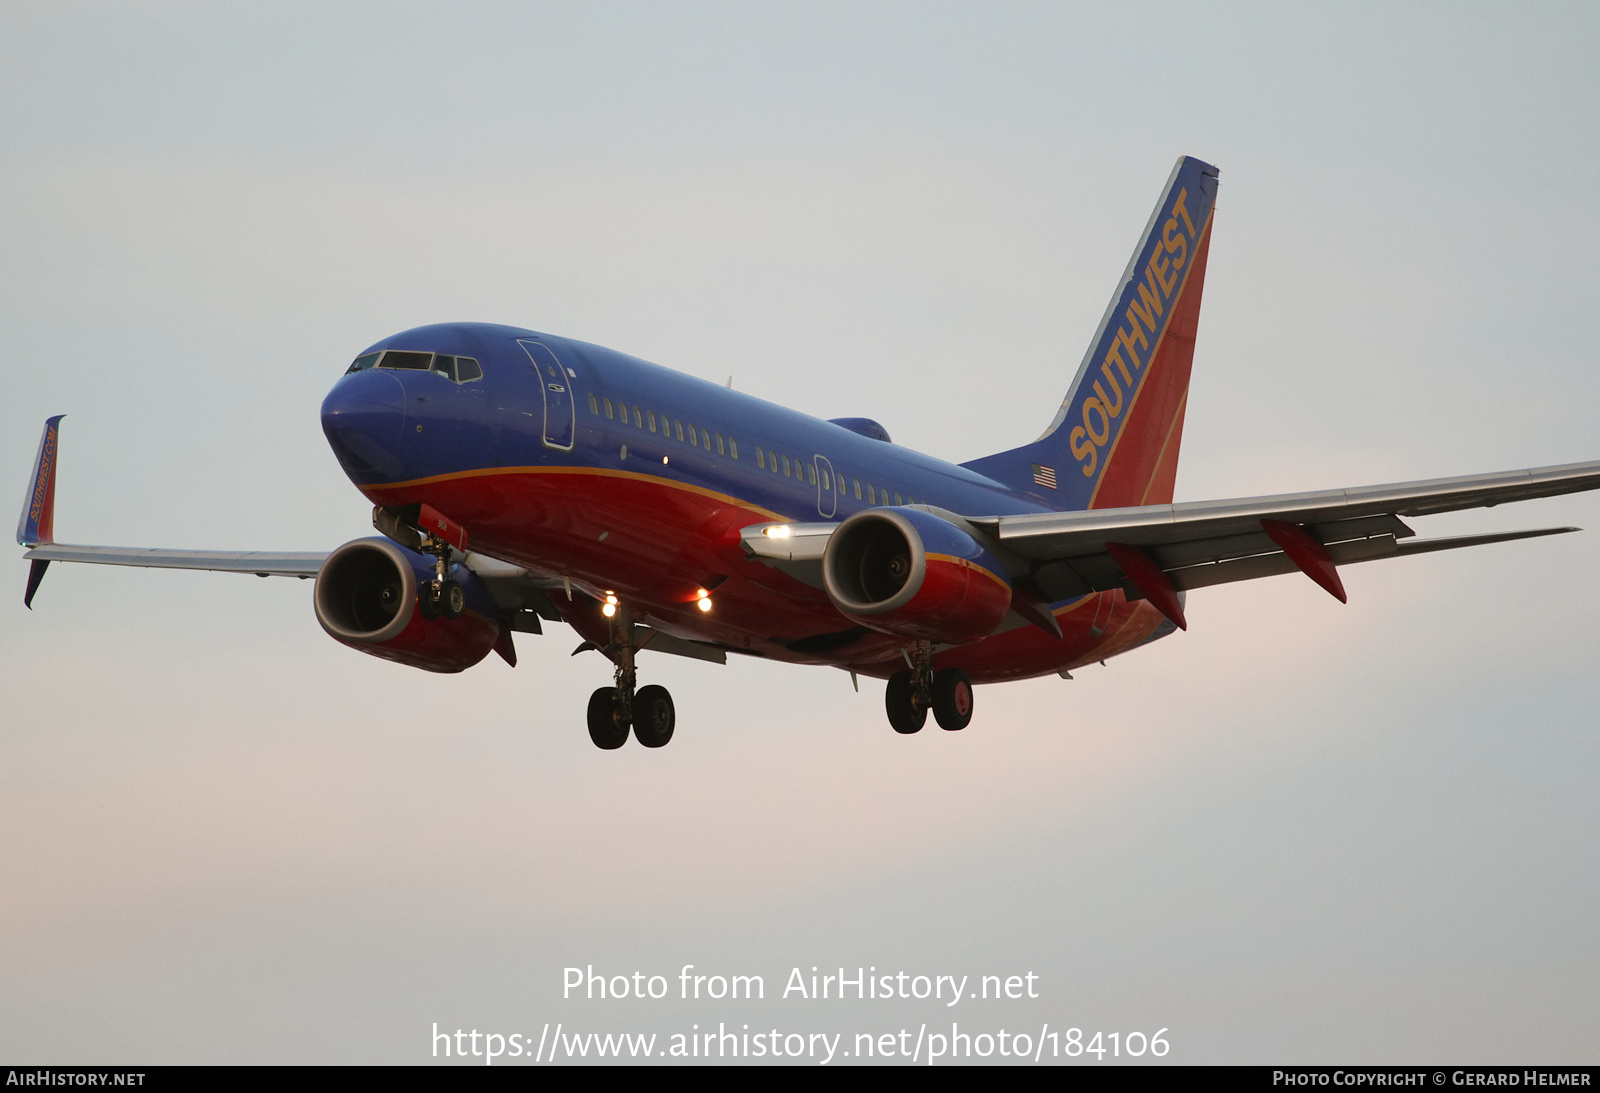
(952, 699)
(427, 605)
(653, 716)
(898, 699)
(452, 600)
(605, 728)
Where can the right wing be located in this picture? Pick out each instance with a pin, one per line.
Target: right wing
(1158, 550)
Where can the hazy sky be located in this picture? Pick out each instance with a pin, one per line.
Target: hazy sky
(1300, 832)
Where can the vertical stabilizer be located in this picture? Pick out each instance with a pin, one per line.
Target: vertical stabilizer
(1115, 439)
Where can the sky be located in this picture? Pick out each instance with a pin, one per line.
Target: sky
(1301, 832)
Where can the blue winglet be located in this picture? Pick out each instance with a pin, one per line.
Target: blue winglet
(37, 524)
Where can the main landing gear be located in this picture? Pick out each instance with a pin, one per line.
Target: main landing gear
(613, 710)
(910, 695)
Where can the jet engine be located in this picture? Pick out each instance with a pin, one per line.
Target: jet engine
(915, 575)
(366, 598)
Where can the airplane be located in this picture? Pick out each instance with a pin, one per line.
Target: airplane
(519, 478)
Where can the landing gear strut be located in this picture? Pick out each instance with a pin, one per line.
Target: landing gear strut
(440, 597)
(612, 710)
(910, 695)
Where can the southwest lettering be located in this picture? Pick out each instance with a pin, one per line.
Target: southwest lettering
(1112, 409)
(1152, 303)
(1130, 345)
(1082, 449)
(1114, 356)
(1128, 337)
(1160, 266)
(1176, 243)
(1102, 434)
(1178, 207)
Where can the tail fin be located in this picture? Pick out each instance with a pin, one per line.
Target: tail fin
(1114, 442)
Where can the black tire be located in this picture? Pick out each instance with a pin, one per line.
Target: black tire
(452, 600)
(904, 714)
(653, 716)
(427, 605)
(952, 699)
(605, 728)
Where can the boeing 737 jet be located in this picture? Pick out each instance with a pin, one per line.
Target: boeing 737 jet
(520, 478)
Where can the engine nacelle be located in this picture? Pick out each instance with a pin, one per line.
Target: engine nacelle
(910, 573)
(366, 598)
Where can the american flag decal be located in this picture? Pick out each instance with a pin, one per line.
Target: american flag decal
(1044, 476)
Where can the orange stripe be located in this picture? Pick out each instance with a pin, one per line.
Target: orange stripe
(483, 472)
(952, 559)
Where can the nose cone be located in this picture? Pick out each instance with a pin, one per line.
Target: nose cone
(364, 419)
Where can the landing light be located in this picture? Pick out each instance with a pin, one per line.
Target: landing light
(608, 610)
(705, 603)
(782, 531)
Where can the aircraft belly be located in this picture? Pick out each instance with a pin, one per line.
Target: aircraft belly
(652, 542)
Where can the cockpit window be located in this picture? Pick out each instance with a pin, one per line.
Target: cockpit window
(396, 358)
(455, 369)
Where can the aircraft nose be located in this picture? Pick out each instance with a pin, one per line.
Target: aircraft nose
(364, 418)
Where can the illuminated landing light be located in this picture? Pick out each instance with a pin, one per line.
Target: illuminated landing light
(609, 610)
(705, 603)
(663, 461)
(782, 531)
(610, 598)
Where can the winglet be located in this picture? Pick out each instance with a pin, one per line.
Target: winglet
(37, 524)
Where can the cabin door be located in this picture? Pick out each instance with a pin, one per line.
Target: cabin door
(556, 388)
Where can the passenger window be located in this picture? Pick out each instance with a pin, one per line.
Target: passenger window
(361, 364)
(872, 496)
(651, 417)
(694, 440)
(761, 458)
(720, 449)
(857, 482)
(811, 474)
(594, 405)
(897, 500)
(467, 370)
(705, 440)
(883, 497)
(677, 427)
(772, 461)
(622, 412)
(638, 420)
(827, 484)
(733, 447)
(610, 410)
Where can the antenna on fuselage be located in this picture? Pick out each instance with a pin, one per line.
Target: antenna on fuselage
(729, 384)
